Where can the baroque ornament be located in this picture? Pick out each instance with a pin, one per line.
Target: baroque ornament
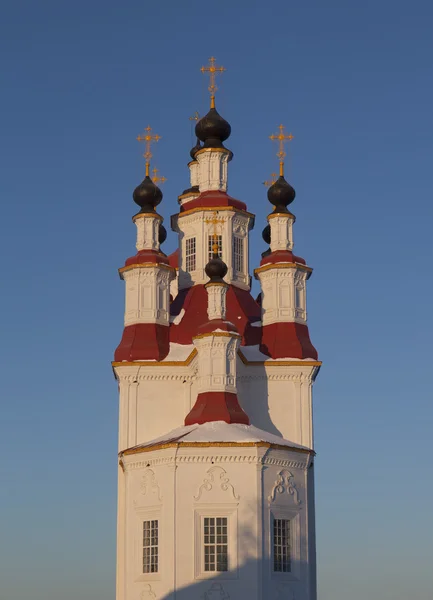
(285, 484)
(150, 486)
(147, 592)
(216, 592)
(216, 476)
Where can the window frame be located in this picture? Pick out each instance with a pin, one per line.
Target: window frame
(210, 242)
(142, 515)
(283, 523)
(151, 546)
(228, 512)
(191, 255)
(241, 241)
(295, 543)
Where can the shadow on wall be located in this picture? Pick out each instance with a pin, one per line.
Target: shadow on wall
(253, 394)
(252, 580)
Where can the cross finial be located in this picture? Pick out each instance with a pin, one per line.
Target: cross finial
(148, 139)
(195, 116)
(212, 69)
(273, 179)
(214, 221)
(156, 178)
(281, 138)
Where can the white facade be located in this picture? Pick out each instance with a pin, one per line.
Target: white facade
(251, 487)
(253, 483)
(156, 397)
(196, 230)
(284, 293)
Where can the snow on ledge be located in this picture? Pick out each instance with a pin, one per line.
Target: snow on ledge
(253, 353)
(178, 352)
(219, 431)
(178, 318)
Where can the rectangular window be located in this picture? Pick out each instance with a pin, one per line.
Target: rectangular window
(150, 547)
(282, 546)
(215, 541)
(238, 254)
(218, 240)
(190, 254)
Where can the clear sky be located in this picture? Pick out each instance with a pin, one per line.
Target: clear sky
(353, 82)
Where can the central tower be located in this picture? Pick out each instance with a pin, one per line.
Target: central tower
(216, 482)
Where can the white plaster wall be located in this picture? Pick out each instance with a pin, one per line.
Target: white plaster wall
(155, 400)
(196, 224)
(283, 295)
(246, 484)
(147, 295)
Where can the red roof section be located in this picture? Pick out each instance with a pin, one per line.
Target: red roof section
(282, 256)
(241, 311)
(211, 199)
(216, 406)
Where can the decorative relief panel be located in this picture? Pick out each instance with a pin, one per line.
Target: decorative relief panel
(216, 592)
(147, 593)
(215, 482)
(284, 592)
(150, 492)
(284, 486)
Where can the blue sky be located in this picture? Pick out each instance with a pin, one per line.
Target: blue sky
(353, 82)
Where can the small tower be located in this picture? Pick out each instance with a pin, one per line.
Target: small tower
(216, 483)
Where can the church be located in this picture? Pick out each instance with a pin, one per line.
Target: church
(216, 451)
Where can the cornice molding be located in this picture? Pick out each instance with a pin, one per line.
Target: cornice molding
(282, 265)
(160, 461)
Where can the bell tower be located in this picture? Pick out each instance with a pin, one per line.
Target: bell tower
(216, 452)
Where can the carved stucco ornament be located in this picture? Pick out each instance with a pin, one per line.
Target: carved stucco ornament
(216, 479)
(285, 484)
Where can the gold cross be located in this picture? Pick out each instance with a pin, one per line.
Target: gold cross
(281, 138)
(273, 179)
(214, 221)
(195, 117)
(156, 178)
(212, 69)
(148, 138)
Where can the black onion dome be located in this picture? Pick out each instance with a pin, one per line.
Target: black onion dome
(266, 234)
(194, 150)
(281, 194)
(162, 234)
(147, 195)
(212, 130)
(216, 269)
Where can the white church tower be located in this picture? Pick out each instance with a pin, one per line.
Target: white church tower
(216, 458)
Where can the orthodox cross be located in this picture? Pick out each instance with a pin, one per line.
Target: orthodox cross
(214, 221)
(273, 179)
(212, 69)
(156, 178)
(281, 138)
(195, 117)
(148, 139)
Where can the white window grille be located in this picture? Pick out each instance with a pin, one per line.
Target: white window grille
(282, 546)
(150, 546)
(215, 240)
(215, 540)
(190, 254)
(238, 254)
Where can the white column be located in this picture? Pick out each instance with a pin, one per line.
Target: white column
(281, 231)
(147, 293)
(194, 173)
(283, 293)
(147, 231)
(216, 300)
(217, 353)
(212, 169)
